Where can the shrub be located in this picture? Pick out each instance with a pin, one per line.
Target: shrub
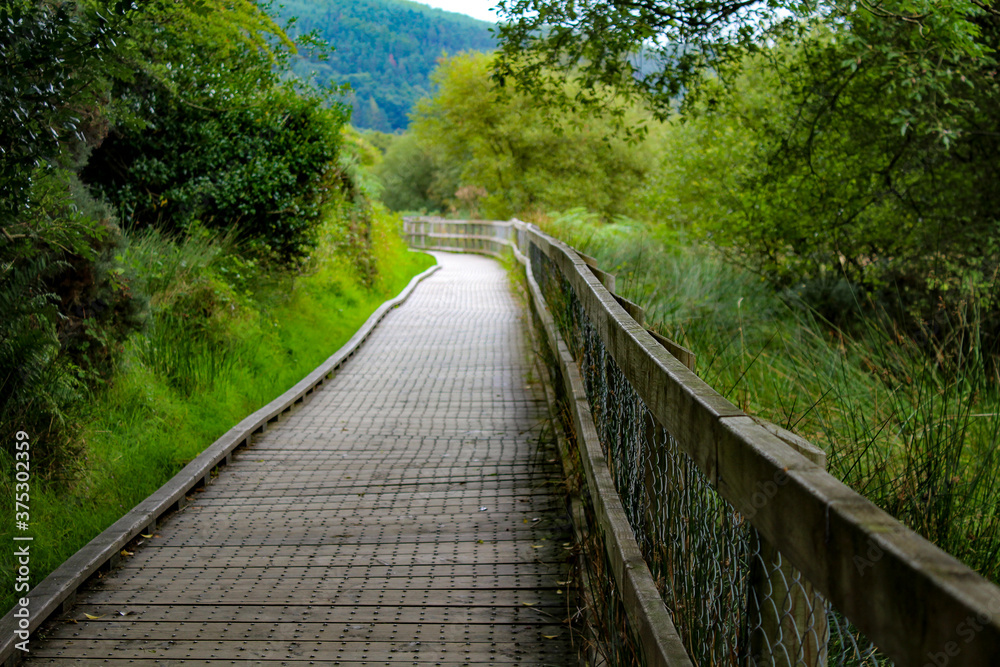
(264, 170)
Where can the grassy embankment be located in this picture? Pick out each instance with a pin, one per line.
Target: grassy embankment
(915, 431)
(224, 338)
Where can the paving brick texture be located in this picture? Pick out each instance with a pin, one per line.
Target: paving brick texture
(410, 514)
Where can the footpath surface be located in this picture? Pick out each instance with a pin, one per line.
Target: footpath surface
(410, 514)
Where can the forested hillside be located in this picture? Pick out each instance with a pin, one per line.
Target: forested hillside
(385, 49)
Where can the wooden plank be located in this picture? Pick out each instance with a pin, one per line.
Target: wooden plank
(333, 556)
(315, 579)
(304, 613)
(643, 604)
(455, 652)
(485, 572)
(242, 592)
(681, 353)
(290, 662)
(292, 631)
(635, 311)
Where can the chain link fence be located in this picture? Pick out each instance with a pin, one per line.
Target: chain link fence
(732, 598)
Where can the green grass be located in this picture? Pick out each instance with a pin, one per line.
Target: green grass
(225, 338)
(914, 431)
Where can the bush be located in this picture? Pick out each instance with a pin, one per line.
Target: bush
(68, 307)
(264, 170)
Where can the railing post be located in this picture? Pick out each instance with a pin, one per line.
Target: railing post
(788, 623)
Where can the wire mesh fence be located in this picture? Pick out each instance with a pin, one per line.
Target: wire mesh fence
(732, 597)
(609, 637)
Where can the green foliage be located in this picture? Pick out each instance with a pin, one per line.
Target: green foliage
(617, 51)
(179, 117)
(658, 50)
(264, 169)
(58, 59)
(917, 435)
(852, 148)
(34, 382)
(854, 207)
(497, 155)
(213, 137)
(384, 49)
(408, 173)
(69, 306)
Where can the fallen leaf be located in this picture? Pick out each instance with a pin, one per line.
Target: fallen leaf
(528, 604)
(127, 553)
(536, 546)
(146, 536)
(93, 618)
(551, 636)
(563, 583)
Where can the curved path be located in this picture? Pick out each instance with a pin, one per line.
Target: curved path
(410, 514)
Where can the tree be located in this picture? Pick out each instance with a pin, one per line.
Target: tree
(408, 175)
(522, 159)
(874, 127)
(176, 110)
(58, 61)
(67, 304)
(385, 49)
(212, 135)
(660, 49)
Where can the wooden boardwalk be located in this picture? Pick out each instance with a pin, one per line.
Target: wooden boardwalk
(410, 514)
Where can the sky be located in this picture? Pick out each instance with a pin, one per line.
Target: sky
(480, 9)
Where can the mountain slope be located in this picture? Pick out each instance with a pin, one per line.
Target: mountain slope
(385, 49)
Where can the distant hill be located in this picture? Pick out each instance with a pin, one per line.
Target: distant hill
(385, 49)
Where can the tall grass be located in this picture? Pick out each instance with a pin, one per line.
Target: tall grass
(224, 338)
(914, 429)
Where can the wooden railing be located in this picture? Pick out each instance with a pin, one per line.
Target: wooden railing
(728, 541)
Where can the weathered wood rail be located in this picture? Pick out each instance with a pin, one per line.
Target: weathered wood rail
(749, 551)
